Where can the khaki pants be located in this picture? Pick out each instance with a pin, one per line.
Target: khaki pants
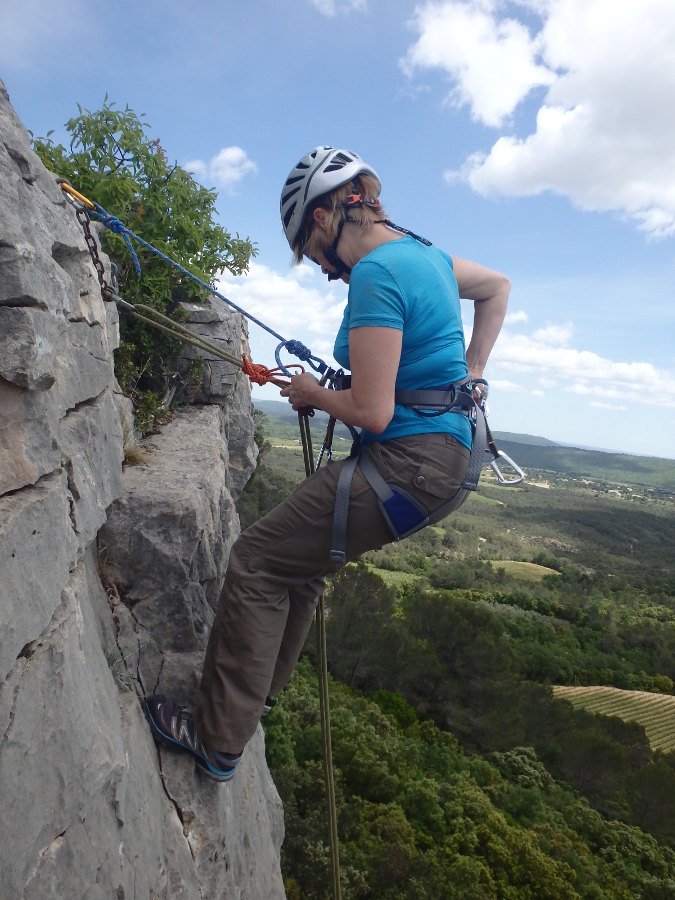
(276, 572)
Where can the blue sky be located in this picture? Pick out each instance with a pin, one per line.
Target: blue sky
(536, 137)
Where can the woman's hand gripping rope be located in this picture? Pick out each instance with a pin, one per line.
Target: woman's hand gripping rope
(301, 391)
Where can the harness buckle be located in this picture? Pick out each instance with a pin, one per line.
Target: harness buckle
(509, 462)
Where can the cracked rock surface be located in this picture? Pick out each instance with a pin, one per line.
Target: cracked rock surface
(108, 582)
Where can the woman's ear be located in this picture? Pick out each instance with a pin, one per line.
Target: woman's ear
(321, 218)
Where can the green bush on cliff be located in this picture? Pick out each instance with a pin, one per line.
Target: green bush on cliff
(113, 161)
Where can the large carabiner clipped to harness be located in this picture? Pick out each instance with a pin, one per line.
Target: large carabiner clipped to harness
(508, 482)
(481, 387)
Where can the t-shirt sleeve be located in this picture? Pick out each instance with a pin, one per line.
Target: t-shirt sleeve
(374, 297)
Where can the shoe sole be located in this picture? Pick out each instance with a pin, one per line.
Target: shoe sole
(161, 737)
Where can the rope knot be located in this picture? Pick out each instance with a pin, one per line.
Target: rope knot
(112, 223)
(298, 349)
(258, 373)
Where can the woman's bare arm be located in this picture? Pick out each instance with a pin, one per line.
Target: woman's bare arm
(374, 355)
(490, 292)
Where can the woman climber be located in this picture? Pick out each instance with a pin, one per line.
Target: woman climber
(401, 338)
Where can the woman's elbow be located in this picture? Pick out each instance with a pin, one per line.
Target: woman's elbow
(378, 418)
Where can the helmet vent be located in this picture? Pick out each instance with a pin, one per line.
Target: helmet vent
(290, 194)
(339, 161)
(289, 214)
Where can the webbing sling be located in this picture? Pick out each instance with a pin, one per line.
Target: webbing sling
(401, 512)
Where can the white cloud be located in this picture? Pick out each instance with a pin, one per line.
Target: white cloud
(513, 318)
(604, 135)
(554, 335)
(471, 44)
(613, 406)
(301, 306)
(226, 169)
(546, 363)
(503, 384)
(331, 7)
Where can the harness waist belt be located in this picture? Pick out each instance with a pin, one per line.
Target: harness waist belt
(447, 397)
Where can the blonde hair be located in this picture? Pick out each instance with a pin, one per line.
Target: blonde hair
(312, 240)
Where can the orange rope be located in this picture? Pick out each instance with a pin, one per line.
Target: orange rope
(260, 374)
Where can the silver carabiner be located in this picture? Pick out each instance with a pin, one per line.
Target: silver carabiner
(516, 468)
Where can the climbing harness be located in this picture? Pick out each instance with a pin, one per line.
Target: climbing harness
(402, 513)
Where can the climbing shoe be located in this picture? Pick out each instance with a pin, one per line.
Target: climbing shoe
(269, 703)
(173, 726)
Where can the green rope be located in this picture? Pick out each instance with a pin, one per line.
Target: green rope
(175, 329)
(324, 707)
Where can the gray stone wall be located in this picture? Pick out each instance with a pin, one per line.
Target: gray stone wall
(109, 576)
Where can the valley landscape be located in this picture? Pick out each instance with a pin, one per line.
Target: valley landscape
(502, 688)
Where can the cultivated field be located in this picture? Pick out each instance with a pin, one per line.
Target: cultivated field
(655, 712)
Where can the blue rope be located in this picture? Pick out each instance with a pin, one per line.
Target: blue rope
(114, 224)
(294, 347)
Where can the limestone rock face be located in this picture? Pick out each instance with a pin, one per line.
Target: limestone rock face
(220, 381)
(109, 577)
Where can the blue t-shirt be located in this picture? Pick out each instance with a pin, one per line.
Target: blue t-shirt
(407, 285)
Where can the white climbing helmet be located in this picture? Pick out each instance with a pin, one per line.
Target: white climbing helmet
(322, 170)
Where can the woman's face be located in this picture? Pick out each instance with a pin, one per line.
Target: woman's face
(320, 260)
(327, 268)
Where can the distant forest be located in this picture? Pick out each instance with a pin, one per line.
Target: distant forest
(529, 451)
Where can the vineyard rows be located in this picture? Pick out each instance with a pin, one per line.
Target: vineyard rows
(655, 712)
